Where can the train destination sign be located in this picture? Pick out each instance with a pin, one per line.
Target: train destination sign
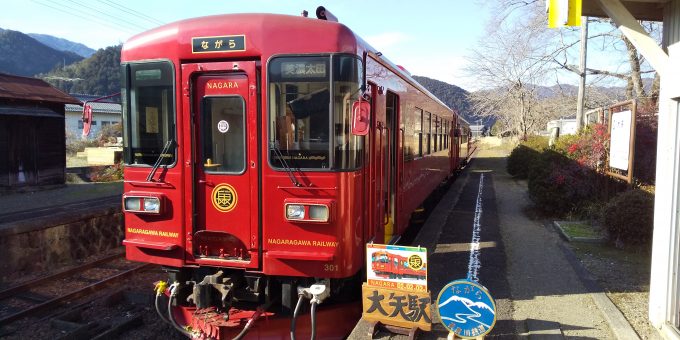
(227, 43)
(466, 309)
(396, 267)
(303, 69)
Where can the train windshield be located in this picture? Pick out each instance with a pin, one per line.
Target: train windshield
(310, 111)
(148, 113)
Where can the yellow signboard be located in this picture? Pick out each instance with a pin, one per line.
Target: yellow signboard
(564, 13)
(395, 307)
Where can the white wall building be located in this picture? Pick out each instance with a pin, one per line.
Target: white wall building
(103, 114)
(566, 126)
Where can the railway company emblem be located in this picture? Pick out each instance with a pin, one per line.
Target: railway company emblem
(224, 197)
(415, 262)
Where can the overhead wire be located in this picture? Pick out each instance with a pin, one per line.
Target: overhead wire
(75, 13)
(110, 15)
(133, 12)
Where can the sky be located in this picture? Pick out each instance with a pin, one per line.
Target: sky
(428, 37)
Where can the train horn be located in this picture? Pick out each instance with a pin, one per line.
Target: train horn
(324, 14)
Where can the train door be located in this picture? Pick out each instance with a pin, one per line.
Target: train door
(391, 163)
(225, 181)
(375, 168)
(454, 147)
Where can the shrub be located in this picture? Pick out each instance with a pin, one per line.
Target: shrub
(558, 185)
(524, 156)
(629, 218)
(107, 173)
(589, 148)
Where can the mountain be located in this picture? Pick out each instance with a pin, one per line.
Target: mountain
(461, 310)
(24, 56)
(453, 96)
(60, 44)
(98, 74)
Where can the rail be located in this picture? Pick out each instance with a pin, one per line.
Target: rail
(12, 292)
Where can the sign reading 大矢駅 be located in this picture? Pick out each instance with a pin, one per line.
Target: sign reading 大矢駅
(396, 267)
(397, 307)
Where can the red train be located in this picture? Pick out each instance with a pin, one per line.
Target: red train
(262, 153)
(394, 266)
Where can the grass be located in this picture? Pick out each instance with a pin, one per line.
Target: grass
(580, 229)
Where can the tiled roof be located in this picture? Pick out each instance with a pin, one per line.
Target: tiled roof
(32, 89)
(97, 107)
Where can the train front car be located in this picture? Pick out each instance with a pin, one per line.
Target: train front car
(242, 177)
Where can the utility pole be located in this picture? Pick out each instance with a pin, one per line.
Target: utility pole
(582, 73)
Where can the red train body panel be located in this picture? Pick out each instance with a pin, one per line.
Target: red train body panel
(242, 173)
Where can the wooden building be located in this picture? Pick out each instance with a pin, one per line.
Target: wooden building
(32, 139)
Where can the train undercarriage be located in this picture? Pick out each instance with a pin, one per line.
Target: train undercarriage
(219, 303)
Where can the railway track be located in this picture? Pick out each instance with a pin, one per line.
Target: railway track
(55, 292)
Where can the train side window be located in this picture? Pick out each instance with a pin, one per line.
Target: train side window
(435, 131)
(446, 135)
(441, 135)
(418, 132)
(427, 131)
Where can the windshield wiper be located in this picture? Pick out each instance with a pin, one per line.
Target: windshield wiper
(167, 147)
(289, 171)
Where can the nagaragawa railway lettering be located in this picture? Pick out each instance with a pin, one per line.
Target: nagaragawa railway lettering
(291, 242)
(152, 232)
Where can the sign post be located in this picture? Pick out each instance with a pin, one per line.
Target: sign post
(622, 143)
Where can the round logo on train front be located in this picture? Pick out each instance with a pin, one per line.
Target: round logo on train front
(466, 309)
(224, 197)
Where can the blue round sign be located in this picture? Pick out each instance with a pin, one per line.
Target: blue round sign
(466, 308)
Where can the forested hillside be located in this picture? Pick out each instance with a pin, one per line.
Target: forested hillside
(24, 56)
(452, 95)
(98, 74)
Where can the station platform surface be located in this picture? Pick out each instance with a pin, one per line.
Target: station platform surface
(538, 289)
(20, 210)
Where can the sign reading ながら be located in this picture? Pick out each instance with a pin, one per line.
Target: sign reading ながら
(466, 309)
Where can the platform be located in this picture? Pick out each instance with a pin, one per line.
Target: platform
(43, 229)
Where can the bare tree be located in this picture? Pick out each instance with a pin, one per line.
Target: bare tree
(511, 60)
(519, 52)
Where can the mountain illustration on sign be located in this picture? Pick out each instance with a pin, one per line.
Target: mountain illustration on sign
(464, 310)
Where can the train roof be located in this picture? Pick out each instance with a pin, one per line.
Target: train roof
(263, 37)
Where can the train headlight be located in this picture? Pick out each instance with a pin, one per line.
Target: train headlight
(132, 203)
(295, 211)
(318, 213)
(143, 203)
(152, 205)
(308, 210)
